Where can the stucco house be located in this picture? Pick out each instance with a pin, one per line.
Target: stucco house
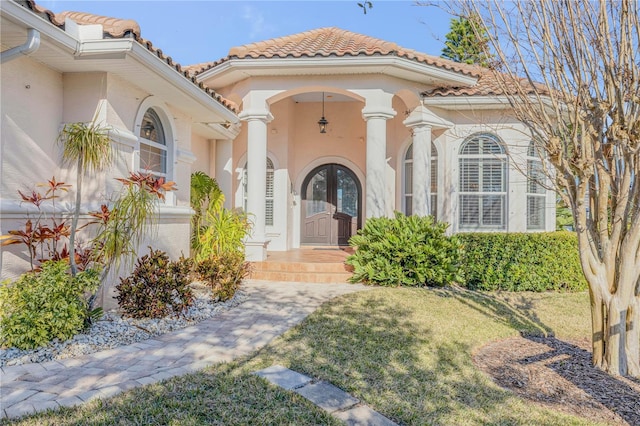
(312, 134)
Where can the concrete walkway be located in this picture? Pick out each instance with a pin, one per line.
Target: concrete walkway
(270, 310)
(333, 400)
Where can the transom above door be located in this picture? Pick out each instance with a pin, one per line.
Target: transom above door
(331, 206)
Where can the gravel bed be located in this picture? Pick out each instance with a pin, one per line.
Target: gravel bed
(112, 331)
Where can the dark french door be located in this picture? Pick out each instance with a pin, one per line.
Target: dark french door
(331, 200)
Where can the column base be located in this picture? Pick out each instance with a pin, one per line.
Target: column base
(255, 251)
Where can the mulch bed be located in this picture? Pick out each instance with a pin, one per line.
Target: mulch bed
(559, 375)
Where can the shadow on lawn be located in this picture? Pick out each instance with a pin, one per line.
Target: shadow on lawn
(573, 363)
(374, 349)
(220, 395)
(520, 317)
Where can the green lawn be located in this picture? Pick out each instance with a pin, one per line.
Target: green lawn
(404, 352)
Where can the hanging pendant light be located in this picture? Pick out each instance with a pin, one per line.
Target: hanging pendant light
(322, 123)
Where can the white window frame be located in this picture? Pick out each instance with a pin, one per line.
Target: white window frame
(482, 160)
(407, 189)
(161, 169)
(536, 191)
(168, 128)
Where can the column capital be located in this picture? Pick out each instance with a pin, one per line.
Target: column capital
(421, 116)
(383, 113)
(256, 114)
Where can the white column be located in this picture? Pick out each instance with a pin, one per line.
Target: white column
(256, 244)
(422, 170)
(376, 113)
(224, 169)
(422, 121)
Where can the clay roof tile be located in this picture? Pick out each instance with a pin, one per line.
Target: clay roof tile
(487, 85)
(113, 27)
(331, 41)
(119, 28)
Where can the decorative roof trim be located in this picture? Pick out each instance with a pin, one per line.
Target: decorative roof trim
(119, 28)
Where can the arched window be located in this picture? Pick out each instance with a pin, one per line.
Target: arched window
(536, 193)
(408, 181)
(153, 144)
(483, 183)
(268, 214)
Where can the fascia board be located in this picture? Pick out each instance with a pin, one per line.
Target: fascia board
(18, 14)
(112, 49)
(104, 49)
(245, 66)
(467, 102)
(216, 131)
(148, 59)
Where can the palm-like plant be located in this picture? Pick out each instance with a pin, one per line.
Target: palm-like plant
(215, 229)
(204, 192)
(88, 146)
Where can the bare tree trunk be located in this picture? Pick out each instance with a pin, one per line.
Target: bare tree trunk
(579, 101)
(622, 354)
(615, 349)
(633, 336)
(597, 327)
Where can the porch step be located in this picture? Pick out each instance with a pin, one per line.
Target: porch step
(301, 271)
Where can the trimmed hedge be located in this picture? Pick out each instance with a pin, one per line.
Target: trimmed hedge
(522, 262)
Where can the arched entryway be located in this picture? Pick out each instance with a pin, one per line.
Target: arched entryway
(331, 205)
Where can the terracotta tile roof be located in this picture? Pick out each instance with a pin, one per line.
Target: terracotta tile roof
(114, 27)
(487, 85)
(121, 28)
(326, 42)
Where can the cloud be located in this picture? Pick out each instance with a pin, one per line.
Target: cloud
(259, 27)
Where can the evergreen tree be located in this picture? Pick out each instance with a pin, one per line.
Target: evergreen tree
(467, 42)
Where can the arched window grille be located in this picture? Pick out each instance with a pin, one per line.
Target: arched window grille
(483, 183)
(153, 144)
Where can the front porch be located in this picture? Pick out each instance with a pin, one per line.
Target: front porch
(308, 264)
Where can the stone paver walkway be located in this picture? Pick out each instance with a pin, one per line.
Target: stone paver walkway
(333, 400)
(270, 309)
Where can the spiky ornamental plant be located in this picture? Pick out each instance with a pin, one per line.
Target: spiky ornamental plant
(88, 146)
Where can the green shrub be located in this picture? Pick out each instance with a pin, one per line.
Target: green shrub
(44, 305)
(156, 288)
(223, 272)
(522, 262)
(409, 251)
(216, 230)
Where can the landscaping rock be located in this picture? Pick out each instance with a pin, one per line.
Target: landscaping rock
(112, 330)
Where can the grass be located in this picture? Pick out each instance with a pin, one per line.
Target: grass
(404, 352)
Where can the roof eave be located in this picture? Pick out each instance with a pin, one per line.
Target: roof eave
(113, 48)
(167, 72)
(235, 69)
(22, 16)
(467, 102)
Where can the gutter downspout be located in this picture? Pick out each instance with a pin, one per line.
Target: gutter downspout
(31, 45)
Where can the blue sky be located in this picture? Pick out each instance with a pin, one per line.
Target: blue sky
(200, 31)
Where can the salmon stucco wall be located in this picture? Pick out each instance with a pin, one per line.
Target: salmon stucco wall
(36, 102)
